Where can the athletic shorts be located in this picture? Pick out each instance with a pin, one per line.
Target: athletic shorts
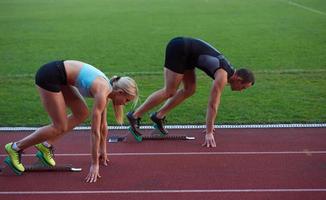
(51, 76)
(177, 56)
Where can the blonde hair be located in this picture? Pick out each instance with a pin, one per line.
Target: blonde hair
(129, 86)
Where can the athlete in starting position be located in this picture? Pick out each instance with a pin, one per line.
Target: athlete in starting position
(62, 84)
(182, 56)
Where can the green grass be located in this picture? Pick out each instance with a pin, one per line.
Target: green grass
(284, 44)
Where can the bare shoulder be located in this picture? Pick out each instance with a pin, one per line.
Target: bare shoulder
(221, 77)
(100, 86)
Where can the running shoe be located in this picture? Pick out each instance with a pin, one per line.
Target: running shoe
(45, 154)
(159, 124)
(134, 126)
(14, 158)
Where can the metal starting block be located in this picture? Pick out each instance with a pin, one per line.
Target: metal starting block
(167, 137)
(114, 138)
(41, 167)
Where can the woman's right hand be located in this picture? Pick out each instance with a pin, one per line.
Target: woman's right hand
(93, 174)
(104, 160)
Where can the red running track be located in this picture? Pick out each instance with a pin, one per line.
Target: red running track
(287, 163)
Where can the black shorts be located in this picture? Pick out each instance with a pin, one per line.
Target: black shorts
(51, 76)
(184, 53)
(177, 56)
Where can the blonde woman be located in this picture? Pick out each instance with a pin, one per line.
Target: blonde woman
(63, 84)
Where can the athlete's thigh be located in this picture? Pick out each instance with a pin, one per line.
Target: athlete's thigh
(74, 99)
(172, 79)
(54, 105)
(189, 79)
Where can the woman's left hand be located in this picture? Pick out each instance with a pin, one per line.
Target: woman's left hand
(93, 174)
(209, 140)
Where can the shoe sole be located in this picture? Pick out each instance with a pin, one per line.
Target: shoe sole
(12, 167)
(137, 137)
(161, 133)
(39, 155)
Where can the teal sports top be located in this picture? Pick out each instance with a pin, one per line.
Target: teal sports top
(86, 77)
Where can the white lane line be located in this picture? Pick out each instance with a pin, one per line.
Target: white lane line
(307, 8)
(307, 152)
(164, 191)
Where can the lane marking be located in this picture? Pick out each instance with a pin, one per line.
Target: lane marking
(165, 191)
(188, 153)
(86, 128)
(306, 8)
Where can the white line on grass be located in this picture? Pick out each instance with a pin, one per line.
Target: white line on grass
(306, 8)
(160, 73)
(306, 152)
(86, 128)
(165, 191)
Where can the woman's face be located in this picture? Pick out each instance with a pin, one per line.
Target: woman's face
(122, 98)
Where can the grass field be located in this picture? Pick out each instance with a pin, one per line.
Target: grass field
(282, 41)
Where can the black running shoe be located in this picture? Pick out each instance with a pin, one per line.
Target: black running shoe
(134, 126)
(159, 124)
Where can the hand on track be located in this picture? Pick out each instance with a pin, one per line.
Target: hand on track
(209, 140)
(93, 174)
(104, 160)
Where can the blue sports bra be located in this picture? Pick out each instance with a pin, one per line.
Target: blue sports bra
(86, 77)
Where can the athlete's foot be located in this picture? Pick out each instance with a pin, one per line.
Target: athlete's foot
(14, 159)
(45, 154)
(134, 126)
(159, 124)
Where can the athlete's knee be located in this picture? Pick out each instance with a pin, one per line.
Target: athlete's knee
(189, 91)
(168, 93)
(60, 128)
(83, 114)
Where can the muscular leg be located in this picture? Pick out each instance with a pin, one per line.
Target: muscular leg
(78, 107)
(54, 104)
(172, 82)
(189, 87)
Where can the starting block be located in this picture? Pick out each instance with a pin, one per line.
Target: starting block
(41, 167)
(168, 137)
(115, 139)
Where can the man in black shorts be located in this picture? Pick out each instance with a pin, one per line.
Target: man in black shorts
(182, 56)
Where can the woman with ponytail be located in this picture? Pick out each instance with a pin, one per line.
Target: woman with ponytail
(63, 84)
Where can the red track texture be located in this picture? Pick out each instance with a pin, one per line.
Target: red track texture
(287, 163)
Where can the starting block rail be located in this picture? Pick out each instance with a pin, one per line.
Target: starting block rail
(40, 167)
(168, 137)
(115, 138)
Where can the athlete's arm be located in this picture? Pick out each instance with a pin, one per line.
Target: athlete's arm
(98, 108)
(104, 133)
(213, 103)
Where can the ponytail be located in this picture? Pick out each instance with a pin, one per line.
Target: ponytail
(118, 113)
(129, 86)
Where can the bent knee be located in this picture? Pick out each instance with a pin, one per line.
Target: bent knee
(189, 91)
(81, 115)
(169, 93)
(84, 114)
(60, 128)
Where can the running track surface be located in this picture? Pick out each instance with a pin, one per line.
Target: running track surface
(287, 163)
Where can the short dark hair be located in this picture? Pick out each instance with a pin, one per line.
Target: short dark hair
(246, 75)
